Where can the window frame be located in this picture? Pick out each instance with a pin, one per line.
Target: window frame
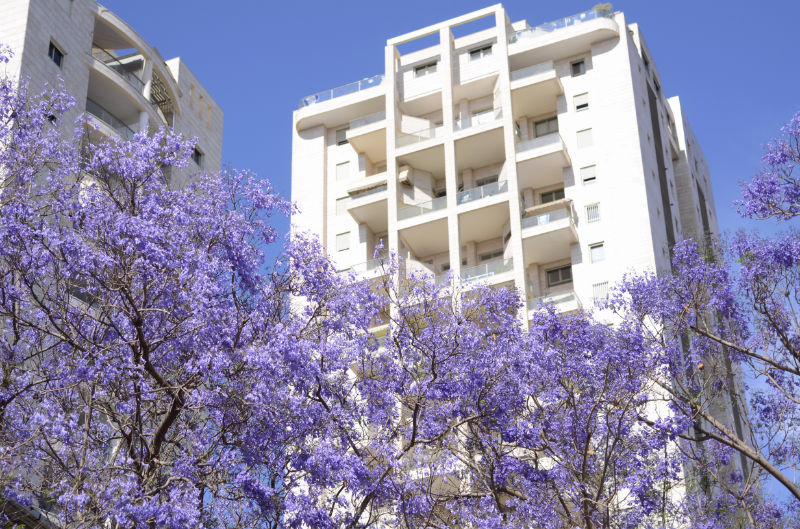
(536, 124)
(197, 156)
(561, 279)
(56, 54)
(588, 207)
(426, 69)
(593, 179)
(552, 193)
(581, 64)
(481, 51)
(343, 139)
(580, 107)
(595, 246)
(339, 237)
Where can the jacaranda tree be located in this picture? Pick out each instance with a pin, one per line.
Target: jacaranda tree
(157, 371)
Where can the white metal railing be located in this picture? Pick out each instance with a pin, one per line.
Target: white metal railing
(414, 210)
(559, 300)
(546, 217)
(410, 138)
(481, 118)
(477, 193)
(486, 270)
(115, 64)
(547, 140)
(366, 120)
(339, 91)
(522, 73)
(549, 27)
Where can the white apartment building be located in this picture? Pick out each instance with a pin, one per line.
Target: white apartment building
(541, 157)
(118, 79)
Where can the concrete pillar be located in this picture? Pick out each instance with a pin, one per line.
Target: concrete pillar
(463, 113)
(466, 179)
(471, 253)
(144, 119)
(147, 78)
(527, 197)
(450, 171)
(523, 128)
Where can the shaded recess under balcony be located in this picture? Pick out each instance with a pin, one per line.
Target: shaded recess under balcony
(548, 231)
(421, 177)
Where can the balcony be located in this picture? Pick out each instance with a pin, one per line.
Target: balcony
(416, 210)
(549, 27)
(484, 191)
(535, 89)
(367, 135)
(369, 269)
(545, 154)
(491, 271)
(548, 231)
(487, 117)
(368, 202)
(566, 301)
(108, 119)
(122, 69)
(411, 138)
(340, 91)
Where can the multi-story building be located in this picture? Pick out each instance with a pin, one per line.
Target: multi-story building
(118, 79)
(542, 157)
(122, 85)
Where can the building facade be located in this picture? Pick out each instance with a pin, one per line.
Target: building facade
(118, 79)
(545, 158)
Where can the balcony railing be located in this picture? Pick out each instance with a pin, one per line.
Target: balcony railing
(522, 73)
(477, 193)
(366, 192)
(553, 138)
(109, 119)
(487, 270)
(367, 267)
(114, 63)
(481, 118)
(542, 219)
(408, 212)
(559, 300)
(411, 138)
(549, 27)
(341, 90)
(366, 120)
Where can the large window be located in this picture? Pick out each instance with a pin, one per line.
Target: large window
(545, 127)
(425, 69)
(552, 196)
(559, 276)
(490, 255)
(55, 54)
(481, 52)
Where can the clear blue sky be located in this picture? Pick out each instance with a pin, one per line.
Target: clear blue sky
(734, 64)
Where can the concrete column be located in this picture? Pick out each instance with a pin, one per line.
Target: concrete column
(450, 172)
(466, 179)
(527, 197)
(463, 113)
(391, 57)
(144, 119)
(471, 253)
(147, 78)
(523, 128)
(501, 26)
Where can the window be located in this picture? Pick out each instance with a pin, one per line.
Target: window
(547, 126)
(380, 168)
(343, 171)
(581, 101)
(597, 252)
(343, 241)
(578, 68)
(589, 174)
(559, 276)
(341, 136)
(341, 205)
(56, 54)
(445, 267)
(440, 193)
(552, 196)
(425, 69)
(585, 138)
(479, 53)
(490, 255)
(593, 212)
(485, 181)
(600, 292)
(197, 156)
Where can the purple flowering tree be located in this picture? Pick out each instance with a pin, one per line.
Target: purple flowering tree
(729, 313)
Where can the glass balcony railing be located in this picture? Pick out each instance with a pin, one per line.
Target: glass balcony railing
(477, 193)
(109, 119)
(559, 300)
(549, 27)
(487, 270)
(339, 91)
(530, 71)
(411, 138)
(547, 140)
(481, 118)
(415, 210)
(114, 63)
(366, 192)
(367, 267)
(548, 217)
(366, 120)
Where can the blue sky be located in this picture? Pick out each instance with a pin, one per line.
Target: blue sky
(734, 65)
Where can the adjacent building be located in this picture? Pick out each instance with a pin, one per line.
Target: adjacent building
(544, 157)
(117, 78)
